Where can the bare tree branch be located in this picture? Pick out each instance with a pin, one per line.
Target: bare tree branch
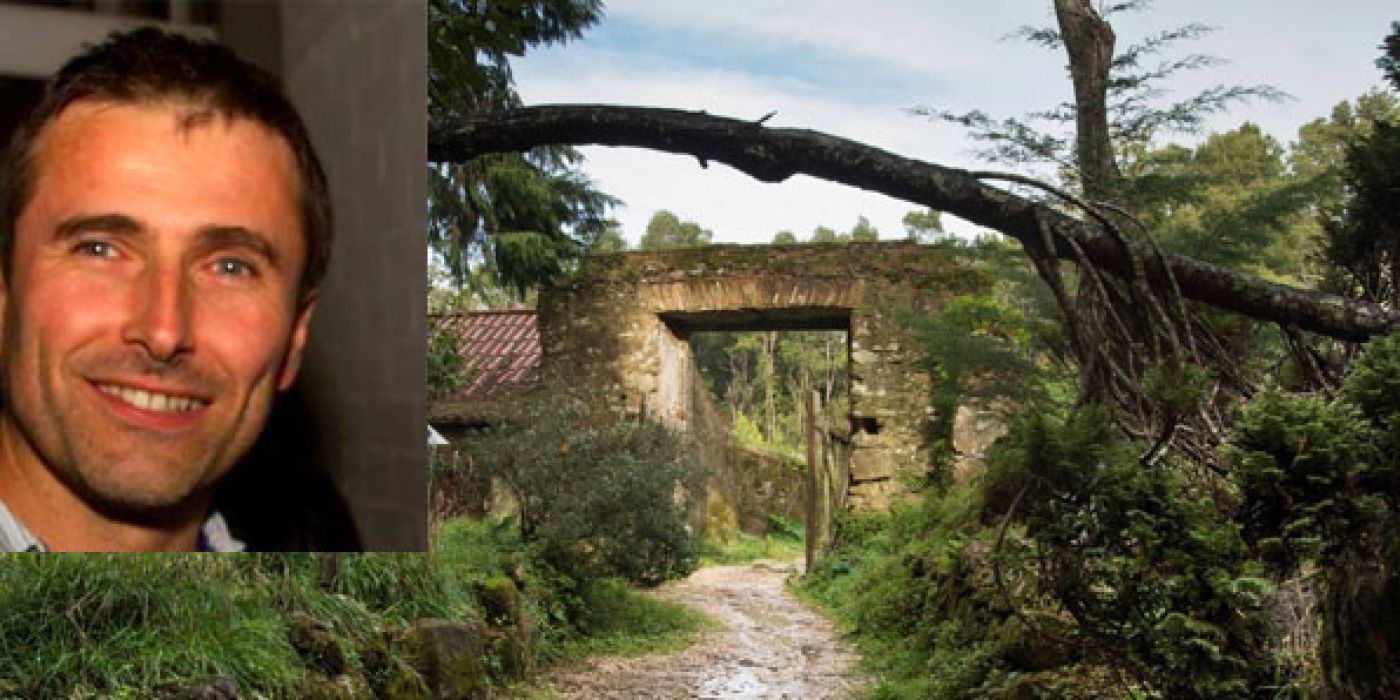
(775, 154)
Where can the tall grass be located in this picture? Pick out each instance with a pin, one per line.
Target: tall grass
(84, 625)
(80, 625)
(97, 625)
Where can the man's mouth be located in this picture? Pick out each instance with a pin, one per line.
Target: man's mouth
(151, 400)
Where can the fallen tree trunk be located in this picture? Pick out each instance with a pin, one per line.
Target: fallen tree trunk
(775, 154)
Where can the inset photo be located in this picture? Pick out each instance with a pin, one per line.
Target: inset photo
(211, 235)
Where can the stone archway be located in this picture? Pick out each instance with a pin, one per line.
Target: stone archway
(619, 332)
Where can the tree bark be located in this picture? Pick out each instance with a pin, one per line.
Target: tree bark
(1089, 43)
(775, 154)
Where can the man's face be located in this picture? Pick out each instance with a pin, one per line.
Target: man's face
(152, 310)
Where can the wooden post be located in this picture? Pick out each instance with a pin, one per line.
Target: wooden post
(814, 526)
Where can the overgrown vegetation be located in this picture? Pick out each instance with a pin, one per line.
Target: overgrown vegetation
(784, 541)
(1071, 569)
(1141, 537)
(278, 625)
(595, 498)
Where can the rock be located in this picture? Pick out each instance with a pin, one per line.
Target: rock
(220, 688)
(316, 643)
(451, 658)
(500, 600)
(511, 640)
(346, 686)
(389, 674)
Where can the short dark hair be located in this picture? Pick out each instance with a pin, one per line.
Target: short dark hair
(146, 66)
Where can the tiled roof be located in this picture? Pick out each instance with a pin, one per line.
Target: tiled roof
(500, 350)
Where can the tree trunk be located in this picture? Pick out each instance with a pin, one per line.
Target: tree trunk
(773, 155)
(1089, 42)
(770, 381)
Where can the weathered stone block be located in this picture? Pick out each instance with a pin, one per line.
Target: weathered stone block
(867, 464)
(500, 600)
(451, 658)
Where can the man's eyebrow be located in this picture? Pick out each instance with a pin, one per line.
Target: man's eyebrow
(219, 237)
(96, 223)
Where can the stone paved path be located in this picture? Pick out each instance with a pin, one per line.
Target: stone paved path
(770, 646)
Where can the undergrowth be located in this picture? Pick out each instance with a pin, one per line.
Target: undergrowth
(784, 541)
(616, 620)
(123, 626)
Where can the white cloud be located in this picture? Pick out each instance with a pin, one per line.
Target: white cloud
(932, 38)
(736, 207)
(1314, 51)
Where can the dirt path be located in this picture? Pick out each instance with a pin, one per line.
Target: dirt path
(770, 646)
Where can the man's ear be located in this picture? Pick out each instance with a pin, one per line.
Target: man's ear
(296, 344)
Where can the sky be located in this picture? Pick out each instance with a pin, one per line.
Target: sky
(854, 69)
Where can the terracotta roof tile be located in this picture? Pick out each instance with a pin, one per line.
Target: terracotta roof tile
(500, 350)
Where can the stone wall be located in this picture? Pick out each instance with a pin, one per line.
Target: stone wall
(617, 331)
(767, 483)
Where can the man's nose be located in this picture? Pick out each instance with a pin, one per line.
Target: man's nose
(160, 319)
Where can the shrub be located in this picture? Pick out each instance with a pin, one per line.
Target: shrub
(597, 501)
(1320, 479)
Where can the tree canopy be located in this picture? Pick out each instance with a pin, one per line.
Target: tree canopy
(511, 219)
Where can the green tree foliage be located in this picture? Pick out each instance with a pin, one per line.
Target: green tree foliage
(864, 231)
(1389, 62)
(596, 501)
(1320, 482)
(445, 362)
(1320, 152)
(610, 240)
(1230, 200)
(923, 226)
(514, 219)
(784, 238)
(1363, 234)
(1154, 577)
(761, 379)
(666, 230)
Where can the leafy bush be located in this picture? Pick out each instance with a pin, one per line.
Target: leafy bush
(1299, 462)
(1156, 579)
(598, 501)
(445, 362)
(1320, 479)
(1067, 569)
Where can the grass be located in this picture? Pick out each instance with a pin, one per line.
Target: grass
(120, 625)
(620, 621)
(785, 541)
(114, 626)
(92, 625)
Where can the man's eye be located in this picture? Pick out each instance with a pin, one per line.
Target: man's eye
(233, 267)
(96, 249)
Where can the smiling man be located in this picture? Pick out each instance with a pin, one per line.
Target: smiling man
(165, 227)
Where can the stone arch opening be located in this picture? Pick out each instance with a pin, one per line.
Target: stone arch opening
(777, 431)
(616, 330)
